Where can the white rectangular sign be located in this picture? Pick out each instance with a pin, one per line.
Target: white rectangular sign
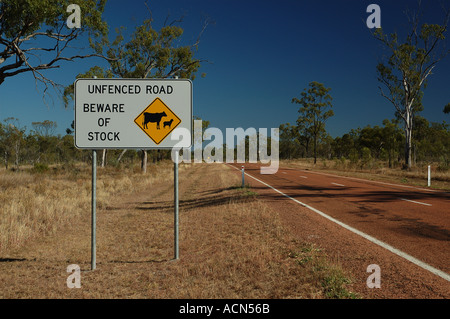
(133, 113)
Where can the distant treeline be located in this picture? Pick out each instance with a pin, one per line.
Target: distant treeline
(368, 146)
(39, 147)
(363, 147)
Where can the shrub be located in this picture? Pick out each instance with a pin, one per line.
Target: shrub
(40, 168)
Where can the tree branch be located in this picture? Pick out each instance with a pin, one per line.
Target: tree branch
(397, 107)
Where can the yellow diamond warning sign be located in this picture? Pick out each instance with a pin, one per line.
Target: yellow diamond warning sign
(157, 120)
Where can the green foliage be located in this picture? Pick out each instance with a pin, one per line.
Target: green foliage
(332, 278)
(11, 141)
(41, 148)
(289, 141)
(94, 72)
(363, 146)
(40, 168)
(23, 23)
(45, 128)
(315, 110)
(405, 73)
(150, 53)
(334, 286)
(447, 109)
(366, 157)
(26, 17)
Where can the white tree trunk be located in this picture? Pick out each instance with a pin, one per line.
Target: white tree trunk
(144, 162)
(121, 155)
(408, 136)
(104, 158)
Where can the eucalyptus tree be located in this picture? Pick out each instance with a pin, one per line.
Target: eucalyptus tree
(12, 140)
(289, 137)
(405, 73)
(315, 110)
(34, 36)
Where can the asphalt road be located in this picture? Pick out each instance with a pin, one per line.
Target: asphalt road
(413, 221)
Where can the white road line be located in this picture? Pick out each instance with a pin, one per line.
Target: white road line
(412, 201)
(392, 249)
(378, 182)
(303, 176)
(337, 184)
(284, 172)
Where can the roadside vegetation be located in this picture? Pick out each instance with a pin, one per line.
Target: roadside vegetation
(232, 244)
(377, 171)
(409, 141)
(38, 200)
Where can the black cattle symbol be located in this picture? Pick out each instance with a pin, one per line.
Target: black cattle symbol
(153, 118)
(168, 123)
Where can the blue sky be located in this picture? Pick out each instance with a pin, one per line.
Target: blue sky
(260, 55)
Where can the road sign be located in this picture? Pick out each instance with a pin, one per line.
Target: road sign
(132, 113)
(157, 120)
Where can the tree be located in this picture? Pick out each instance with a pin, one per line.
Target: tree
(289, 136)
(149, 53)
(391, 137)
(70, 131)
(45, 142)
(304, 137)
(3, 144)
(372, 139)
(12, 140)
(45, 128)
(447, 109)
(34, 35)
(406, 71)
(315, 110)
(343, 146)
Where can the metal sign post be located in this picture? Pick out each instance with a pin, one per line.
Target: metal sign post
(176, 220)
(132, 114)
(93, 210)
(243, 177)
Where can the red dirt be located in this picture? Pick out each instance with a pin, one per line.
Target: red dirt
(375, 209)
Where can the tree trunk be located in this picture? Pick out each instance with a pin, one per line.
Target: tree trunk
(144, 162)
(103, 157)
(408, 146)
(120, 156)
(6, 160)
(390, 155)
(408, 129)
(17, 149)
(307, 147)
(315, 149)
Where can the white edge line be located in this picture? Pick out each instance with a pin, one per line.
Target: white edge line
(412, 201)
(392, 249)
(337, 184)
(377, 182)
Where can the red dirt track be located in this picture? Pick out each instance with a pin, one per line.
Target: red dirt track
(413, 220)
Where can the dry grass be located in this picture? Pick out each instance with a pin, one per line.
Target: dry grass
(379, 171)
(232, 245)
(35, 204)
